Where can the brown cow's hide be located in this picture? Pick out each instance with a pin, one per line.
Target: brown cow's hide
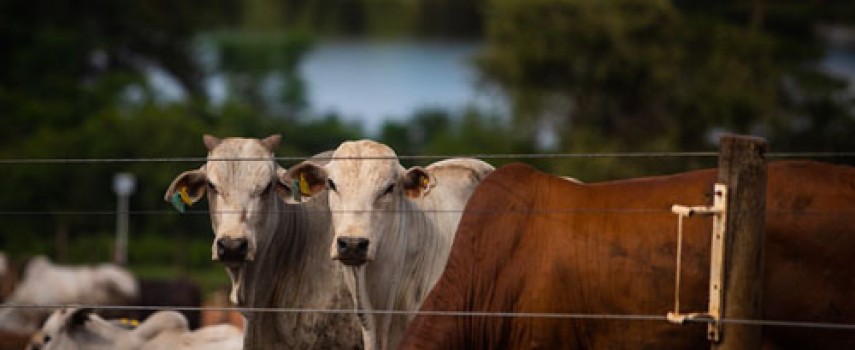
(13, 341)
(531, 242)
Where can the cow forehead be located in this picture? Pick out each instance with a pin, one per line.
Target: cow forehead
(240, 162)
(364, 164)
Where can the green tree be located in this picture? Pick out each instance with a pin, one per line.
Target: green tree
(76, 85)
(63, 61)
(435, 131)
(626, 75)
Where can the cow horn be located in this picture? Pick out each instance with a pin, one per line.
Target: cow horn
(271, 142)
(211, 141)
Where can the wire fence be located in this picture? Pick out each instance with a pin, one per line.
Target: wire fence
(604, 211)
(544, 315)
(540, 315)
(701, 154)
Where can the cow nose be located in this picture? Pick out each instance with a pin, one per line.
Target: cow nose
(232, 249)
(352, 251)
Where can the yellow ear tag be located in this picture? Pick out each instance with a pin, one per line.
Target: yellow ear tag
(425, 182)
(180, 198)
(184, 196)
(304, 185)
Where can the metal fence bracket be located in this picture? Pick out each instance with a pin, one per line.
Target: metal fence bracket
(719, 212)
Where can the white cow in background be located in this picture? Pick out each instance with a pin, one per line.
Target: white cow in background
(275, 253)
(45, 283)
(81, 329)
(393, 226)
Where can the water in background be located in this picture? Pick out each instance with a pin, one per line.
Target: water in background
(371, 81)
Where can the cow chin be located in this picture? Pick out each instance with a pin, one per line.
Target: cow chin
(236, 263)
(352, 261)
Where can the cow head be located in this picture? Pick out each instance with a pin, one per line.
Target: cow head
(366, 185)
(241, 180)
(73, 329)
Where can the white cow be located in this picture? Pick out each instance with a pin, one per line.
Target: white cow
(48, 284)
(393, 227)
(80, 329)
(274, 252)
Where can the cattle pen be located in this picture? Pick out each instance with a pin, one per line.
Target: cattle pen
(736, 314)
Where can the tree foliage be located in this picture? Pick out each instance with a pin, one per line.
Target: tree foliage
(77, 85)
(597, 75)
(433, 131)
(629, 75)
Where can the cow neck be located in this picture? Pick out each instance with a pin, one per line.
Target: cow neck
(403, 212)
(291, 270)
(306, 265)
(390, 290)
(286, 252)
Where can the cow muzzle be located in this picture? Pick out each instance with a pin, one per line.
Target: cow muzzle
(352, 251)
(232, 250)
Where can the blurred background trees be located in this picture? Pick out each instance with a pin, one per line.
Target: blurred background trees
(660, 76)
(145, 79)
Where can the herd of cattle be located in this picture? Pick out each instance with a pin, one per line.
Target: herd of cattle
(352, 229)
(39, 281)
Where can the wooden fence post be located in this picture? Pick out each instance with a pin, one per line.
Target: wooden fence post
(742, 167)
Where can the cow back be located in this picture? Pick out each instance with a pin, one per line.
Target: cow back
(534, 243)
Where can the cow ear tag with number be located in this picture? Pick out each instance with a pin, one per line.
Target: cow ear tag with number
(180, 199)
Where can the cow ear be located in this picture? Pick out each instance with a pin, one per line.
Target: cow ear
(302, 180)
(211, 141)
(271, 142)
(418, 182)
(189, 185)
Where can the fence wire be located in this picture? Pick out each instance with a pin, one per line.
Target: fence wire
(544, 315)
(402, 157)
(541, 315)
(701, 154)
(604, 211)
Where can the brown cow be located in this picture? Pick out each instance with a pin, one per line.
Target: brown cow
(532, 242)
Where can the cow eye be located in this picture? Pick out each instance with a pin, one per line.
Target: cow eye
(331, 185)
(212, 187)
(388, 190)
(46, 339)
(266, 189)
